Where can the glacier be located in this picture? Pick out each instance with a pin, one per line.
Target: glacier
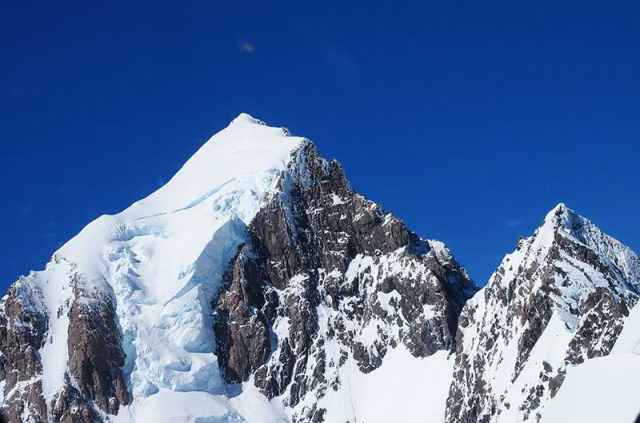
(164, 257)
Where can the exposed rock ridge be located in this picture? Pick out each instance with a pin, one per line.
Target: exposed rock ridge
(92, 384)
(96, 357)
(556, 301)
(23, 328)
(323, 265)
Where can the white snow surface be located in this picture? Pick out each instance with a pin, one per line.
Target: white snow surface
(164, 257)
(403, 389)
(603, 389)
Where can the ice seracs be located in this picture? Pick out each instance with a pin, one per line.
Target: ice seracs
(166, 277)
(163, 258)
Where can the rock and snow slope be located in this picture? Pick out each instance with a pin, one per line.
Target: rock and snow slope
(604, 389)
(560, 299)
(157, 314)
(257, 286)
(326, 285)
(157, 265)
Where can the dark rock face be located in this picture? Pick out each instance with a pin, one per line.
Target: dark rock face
(95, 352)
(95, 356)
(23, 328)
(242, 330)
(323, 265)
(601, 323)
(569, 285)
(70, 406)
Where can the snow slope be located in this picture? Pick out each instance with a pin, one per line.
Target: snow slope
(164, 257)
(403, 389)
(603, 389)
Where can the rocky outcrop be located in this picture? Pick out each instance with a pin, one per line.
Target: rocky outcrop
(71, 406)
(94, 343)
(93, 381)
(328, 275)
(23, 329)
(559, 299)
(602, 321)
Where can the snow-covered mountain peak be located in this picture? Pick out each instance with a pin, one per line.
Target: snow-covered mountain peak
(565, 230)
(257, 263)
(224, 181)
(154, 269)
(558, 218)
(559, 209)
(562, 218)
(244, 150)
(559, 299)
(559, 221)
(246, 118)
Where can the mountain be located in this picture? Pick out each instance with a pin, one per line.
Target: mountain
(560, 299)
(257, 286)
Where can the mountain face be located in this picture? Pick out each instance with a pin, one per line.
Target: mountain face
(328, 281)
(560, 299)
(257, 286)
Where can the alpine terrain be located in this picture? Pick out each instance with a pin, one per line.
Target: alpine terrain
(257, 286)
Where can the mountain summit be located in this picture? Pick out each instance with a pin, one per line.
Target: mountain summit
(258, 286)
(561, 298)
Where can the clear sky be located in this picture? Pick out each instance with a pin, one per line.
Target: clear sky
(468, 119)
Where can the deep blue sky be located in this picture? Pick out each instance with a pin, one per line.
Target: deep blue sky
(469, 120)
